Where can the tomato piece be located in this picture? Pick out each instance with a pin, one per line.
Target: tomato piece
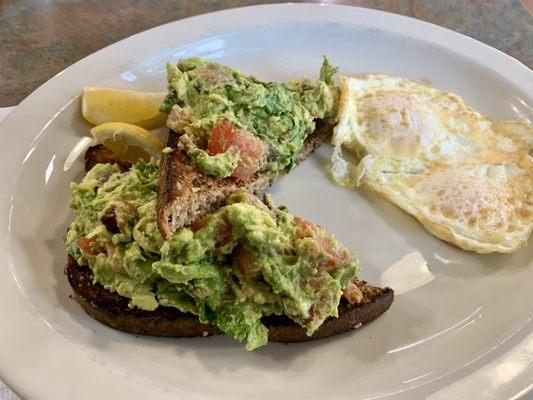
(326, 247)
(221, 137)
(225, 135)
(85, 245)
(323, 246)
(305, 228)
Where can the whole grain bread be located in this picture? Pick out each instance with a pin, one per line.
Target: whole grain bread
(186, 195)
(112, 309)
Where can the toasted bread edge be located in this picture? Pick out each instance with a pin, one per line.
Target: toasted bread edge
(185, 195)
(112, 310)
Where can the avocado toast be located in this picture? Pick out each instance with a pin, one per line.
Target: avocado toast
(230, 130)
(182, 247)
(249, 269)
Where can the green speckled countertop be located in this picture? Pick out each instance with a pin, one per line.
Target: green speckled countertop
(41, 38)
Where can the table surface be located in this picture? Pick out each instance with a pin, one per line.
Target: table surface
(41, 38)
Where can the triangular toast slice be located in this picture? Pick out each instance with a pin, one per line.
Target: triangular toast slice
(185, 195)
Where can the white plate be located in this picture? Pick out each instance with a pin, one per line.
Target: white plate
(464, 334)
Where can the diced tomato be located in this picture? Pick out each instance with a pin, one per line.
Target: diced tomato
(225, 135)
(335, 256)
(246, 263)
(305, 228)
(85, 245)
(221, 137)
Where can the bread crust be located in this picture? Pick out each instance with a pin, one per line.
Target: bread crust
(102, 155)
(186, 195)
(112, 309)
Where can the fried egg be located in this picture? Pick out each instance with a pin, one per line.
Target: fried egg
(466, 178)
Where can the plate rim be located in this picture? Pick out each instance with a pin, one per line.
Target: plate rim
(466, 46)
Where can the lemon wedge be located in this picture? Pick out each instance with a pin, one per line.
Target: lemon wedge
(127, 141)
(100, 105)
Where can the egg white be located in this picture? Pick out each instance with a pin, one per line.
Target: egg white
(467, 179)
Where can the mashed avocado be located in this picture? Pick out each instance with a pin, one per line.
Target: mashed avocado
(219, 165)
(281, 115)
(243, 262)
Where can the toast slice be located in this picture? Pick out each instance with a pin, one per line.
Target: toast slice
(112, 309)
(186, 195)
